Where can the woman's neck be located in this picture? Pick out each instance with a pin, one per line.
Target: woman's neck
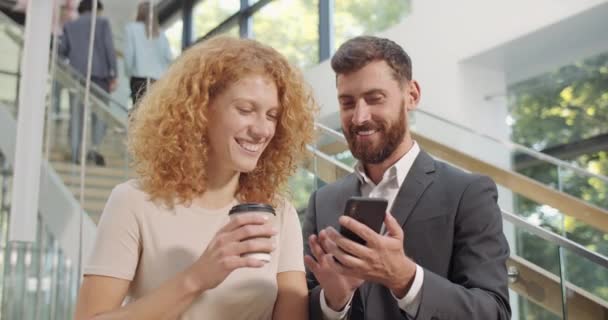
(221, 189)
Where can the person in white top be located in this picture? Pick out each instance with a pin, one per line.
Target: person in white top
(147, 54)
(443, 253)
(226, 125)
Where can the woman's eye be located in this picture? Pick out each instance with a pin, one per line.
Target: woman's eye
(244, 110)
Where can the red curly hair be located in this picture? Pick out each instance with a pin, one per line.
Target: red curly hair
(168, 132)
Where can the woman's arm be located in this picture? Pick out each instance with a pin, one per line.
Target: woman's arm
(100, 294)
(292, 297)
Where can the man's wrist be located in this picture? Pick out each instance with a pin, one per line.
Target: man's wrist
(404, 282)
(337, 304)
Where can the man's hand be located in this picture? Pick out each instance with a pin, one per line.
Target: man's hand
(337, 288)
(113, 84)
(383, 260)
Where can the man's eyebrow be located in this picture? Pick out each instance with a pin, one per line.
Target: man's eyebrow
(373, 91)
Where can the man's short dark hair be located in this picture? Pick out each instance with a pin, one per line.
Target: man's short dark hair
(357, 52)
(87, 6)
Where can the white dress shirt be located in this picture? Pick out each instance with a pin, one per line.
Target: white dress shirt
(389, 186)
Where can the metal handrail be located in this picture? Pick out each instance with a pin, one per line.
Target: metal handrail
(94, 87)
(556, 239)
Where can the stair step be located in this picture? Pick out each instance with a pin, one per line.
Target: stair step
(91, 170)
(94, 205)
(111, 160)
(92, 193)
(93, 182)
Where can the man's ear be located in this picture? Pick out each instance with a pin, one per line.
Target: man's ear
(412, 94)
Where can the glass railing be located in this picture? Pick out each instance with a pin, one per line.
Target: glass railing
(40, 279)
(554, 277)
(37, 281)
(105, 126)
(551, 277)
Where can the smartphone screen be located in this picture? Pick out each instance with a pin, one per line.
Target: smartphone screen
(369, 211)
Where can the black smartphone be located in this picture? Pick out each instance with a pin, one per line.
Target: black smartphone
(369, 211)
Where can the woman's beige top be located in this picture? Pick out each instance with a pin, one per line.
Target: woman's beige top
(146, 243)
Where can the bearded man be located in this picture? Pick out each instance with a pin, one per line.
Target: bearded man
(442, 251)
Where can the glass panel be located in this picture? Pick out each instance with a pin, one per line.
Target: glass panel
(529, 309)
(301, 185)
(5, 180)
(587, 289)
(209, 14)
(335, 147)
(31, 285)
(357, 17)
(563, 113)
(9, 84)
(298, 35)
(535, 286)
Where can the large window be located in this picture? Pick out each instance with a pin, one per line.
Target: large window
(174, 35)
(208, 14)
(357, 17)
(291, 27)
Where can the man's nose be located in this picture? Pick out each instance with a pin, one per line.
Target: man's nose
(362, 113)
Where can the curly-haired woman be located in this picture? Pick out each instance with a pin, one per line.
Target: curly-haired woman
(226, 125)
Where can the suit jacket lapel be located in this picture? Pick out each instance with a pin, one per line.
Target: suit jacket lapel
(416, 182)
(351, 188)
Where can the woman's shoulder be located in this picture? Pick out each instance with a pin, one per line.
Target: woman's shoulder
(129, 192)
(284, 207)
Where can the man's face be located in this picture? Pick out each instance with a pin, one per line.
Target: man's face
(373, 111)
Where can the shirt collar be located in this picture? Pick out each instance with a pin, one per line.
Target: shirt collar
(399, 170)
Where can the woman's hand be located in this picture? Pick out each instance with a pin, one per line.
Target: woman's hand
(245, 233)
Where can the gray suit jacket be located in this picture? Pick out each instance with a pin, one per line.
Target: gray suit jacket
(74, 45)
(453, 229)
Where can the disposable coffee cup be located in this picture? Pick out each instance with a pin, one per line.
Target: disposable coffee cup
(255, 208)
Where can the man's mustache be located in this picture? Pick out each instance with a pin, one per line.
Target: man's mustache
(366, 126)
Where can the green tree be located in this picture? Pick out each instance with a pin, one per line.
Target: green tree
(353, 18)
(291, 27)
(208, 14)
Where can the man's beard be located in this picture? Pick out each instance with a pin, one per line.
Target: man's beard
(391, 136)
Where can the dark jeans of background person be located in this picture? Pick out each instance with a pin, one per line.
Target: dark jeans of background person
(139, 86)
(98, 126)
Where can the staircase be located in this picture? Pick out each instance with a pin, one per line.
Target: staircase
(99, 181)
